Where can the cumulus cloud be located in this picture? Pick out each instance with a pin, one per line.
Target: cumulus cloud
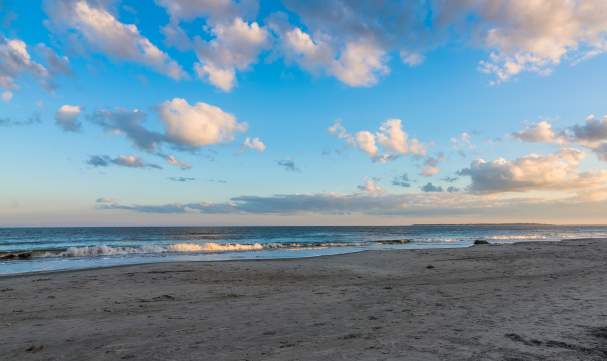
(536, 133)
(592, 134)
(172, 160)
(288, 165)
(358, 63)
(101, 30)
(57, 65)
(235, 46)
(351, 40)
(197, 125)
(431, 188)
(430, 166)
(15, 60)
(535, 36)
(390, 137)
(130, 124)
(129, 161)
(370, 185)
(340, 132)
(254, 144)
(66, 118)
(365, 141)
(185, 126)
(461, 143)
(402, 181)
(557, 171)
(519, 35)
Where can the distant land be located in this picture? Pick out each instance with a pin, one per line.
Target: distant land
(482, 224)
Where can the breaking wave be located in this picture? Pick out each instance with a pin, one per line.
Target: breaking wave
(104, 250)
(517, 237)
(208, 247)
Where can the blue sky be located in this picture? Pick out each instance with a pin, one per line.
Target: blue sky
(500, 104)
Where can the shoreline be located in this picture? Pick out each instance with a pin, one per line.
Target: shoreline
(523, 301)
(22, 274)
(169, 263)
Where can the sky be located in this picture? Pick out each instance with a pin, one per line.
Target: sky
(252, 112)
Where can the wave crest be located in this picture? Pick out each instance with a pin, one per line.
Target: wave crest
(104, 250)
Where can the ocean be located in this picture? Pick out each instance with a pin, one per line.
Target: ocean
(24, 250)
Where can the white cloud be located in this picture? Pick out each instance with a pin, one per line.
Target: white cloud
(430, 166)
(537, 35)
(430, 170)
(105, 33)
(309, 54)
(537, 133)
(390, 136)
(236, 46)
(519, 35)
(557, 171)
(197, 125)
(370, 185)
(186, 127)
(365, 141)
(359, 63)
(172, 160)
(340, 132)
(464, 140)
(254, 143)
(6, 96)
(66, 118)
(129, 161)
(592, 134)
(411, 58)
(15, 60)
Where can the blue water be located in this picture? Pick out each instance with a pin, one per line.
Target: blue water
(74, 248)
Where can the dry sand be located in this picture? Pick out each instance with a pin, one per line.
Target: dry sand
(511, 302)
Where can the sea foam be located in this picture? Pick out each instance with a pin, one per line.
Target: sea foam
(104, 250)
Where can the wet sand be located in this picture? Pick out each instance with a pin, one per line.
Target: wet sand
(540, 301)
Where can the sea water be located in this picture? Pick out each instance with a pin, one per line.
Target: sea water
(46, 249)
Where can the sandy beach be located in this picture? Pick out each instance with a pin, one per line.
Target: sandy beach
(527, 301)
